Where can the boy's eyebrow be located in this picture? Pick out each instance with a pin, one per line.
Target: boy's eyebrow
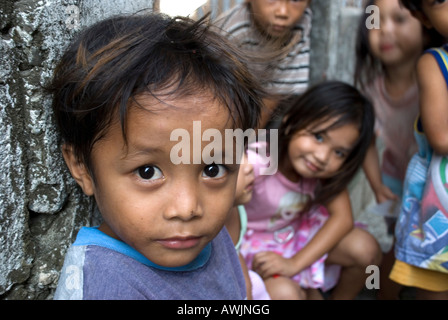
(136, 151)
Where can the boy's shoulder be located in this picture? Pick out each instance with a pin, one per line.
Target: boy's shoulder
(97, 266)
(93, 271)
(238, 17)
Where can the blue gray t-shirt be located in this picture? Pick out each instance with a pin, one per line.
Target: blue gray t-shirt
(100, 267)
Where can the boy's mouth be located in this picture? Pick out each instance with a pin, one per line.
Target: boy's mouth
(180, 242)
(279, 28)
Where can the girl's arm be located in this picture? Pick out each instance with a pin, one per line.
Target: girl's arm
(433, 103)
(339, 223)
(371, 167)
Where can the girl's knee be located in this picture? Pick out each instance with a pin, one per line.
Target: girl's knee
(282, 288)
(366, 250)
(357, 249)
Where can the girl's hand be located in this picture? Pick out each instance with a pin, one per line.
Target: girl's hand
(268, 264)
(383, 193)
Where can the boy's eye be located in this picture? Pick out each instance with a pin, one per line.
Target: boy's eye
(214, 171)
(149, 173)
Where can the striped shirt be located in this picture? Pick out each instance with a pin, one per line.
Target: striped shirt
(291, 73)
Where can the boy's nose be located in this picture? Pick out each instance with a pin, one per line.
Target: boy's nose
(282, 8)
(184, 204)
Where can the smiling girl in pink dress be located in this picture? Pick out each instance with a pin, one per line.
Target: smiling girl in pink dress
(300, 225)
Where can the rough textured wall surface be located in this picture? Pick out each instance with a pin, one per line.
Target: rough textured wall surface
(41, 208)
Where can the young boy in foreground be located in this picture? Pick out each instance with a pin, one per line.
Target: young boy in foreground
(124, 94)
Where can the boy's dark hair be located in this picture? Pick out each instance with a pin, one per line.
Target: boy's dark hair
(112, 62)
(320, 103)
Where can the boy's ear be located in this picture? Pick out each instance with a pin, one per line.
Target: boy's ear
(78, 170)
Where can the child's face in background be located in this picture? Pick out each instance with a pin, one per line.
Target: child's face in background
(167, 212)
(319, 152)
(277, 17)
(400, 37)
(436, 13)
(245, 183)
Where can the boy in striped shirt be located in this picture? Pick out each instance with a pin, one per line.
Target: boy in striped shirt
(265, 26)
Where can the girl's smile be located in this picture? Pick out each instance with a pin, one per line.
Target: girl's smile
(312, 167)
(319, 152)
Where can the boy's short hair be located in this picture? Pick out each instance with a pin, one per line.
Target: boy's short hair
(115, 60)
(412, 5)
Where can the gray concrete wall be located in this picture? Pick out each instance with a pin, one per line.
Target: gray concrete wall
(333, 39)
(41, 208)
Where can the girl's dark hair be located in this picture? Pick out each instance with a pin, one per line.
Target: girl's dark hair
(322, 102)
(367, 67)
(412, 5)
(112, 62)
